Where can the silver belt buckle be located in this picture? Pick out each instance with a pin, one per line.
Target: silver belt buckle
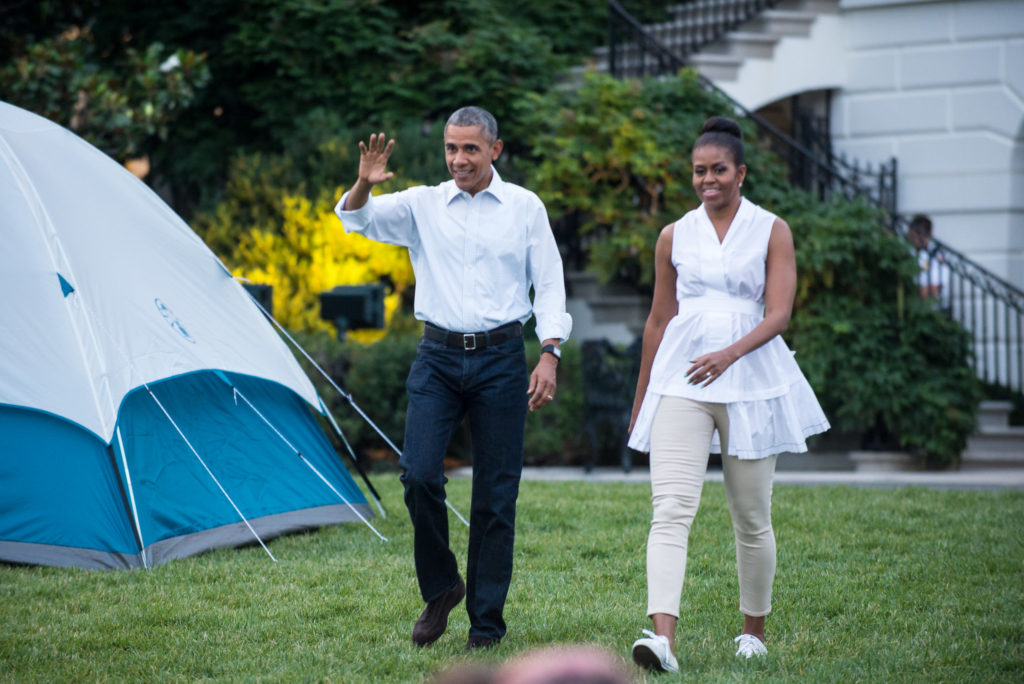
(469, 341)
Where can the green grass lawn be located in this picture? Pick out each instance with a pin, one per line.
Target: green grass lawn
(872, 586)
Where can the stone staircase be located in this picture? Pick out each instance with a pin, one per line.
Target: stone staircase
(758, 38)
(721, 60)
(995, 443)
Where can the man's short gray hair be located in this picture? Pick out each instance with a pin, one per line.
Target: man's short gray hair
(474, 116)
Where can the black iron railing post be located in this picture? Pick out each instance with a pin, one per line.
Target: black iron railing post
(987, 306)
(1020, 353)
(613, 45)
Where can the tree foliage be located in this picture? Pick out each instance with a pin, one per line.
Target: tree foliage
(119, 107)
(281, 68)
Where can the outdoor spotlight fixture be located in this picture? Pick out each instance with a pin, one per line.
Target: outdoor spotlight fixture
(353, 307)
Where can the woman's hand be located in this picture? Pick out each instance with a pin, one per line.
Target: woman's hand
(707, 368)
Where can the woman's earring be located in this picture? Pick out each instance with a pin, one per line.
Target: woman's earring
(740, 185)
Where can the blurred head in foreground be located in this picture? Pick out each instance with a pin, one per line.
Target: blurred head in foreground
(555, 665)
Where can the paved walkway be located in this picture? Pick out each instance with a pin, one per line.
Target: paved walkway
(987, 479)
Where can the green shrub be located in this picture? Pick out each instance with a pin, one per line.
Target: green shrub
(554, 434)
(883, 362)
(275, 225)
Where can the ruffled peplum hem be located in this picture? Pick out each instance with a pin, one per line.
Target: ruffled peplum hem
(766, 372)
(758, 428)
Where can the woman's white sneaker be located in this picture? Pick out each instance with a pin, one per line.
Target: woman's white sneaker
(653, 653)
(749, 646)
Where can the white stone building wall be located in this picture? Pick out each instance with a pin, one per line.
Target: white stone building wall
(940, 86)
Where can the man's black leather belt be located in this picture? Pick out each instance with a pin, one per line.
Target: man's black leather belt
(471, 341)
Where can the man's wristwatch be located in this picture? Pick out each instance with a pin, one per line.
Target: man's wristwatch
(552, 349)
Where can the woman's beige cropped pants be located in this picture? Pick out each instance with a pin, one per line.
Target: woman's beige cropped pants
(680, 443)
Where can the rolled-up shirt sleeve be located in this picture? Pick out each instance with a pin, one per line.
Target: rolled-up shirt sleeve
(544, 269)
(384, 218)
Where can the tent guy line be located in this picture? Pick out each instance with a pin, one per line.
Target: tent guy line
(345, 395)
(305, 461)
(137, 528)
(212, 476)
(352, 455)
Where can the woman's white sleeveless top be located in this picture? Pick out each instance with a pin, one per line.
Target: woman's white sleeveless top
(720, 289)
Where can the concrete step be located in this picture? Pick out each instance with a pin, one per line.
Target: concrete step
(616, 311)
(630, 310)
(816, 6)
(1002, 447)
(584, 327)
(1007, 442)
(586, 285)
(994, 414)
(717, 67)
(721, 60)
(995, 443)
(744, 45)
(781, 23)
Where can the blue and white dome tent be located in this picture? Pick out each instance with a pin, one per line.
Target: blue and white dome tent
(148, 410)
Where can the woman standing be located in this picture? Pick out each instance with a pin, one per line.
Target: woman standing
(715, 376)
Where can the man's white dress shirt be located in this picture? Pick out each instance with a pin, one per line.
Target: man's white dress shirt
(475, 257)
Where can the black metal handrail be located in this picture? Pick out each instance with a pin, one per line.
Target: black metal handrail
(988, 307)
(689, 26)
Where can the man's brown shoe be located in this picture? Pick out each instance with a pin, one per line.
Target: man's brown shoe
(434, 619)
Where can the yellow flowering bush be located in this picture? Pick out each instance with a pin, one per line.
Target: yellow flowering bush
(309, 253)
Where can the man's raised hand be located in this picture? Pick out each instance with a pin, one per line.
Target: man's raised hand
(373, 169)
(373, 159)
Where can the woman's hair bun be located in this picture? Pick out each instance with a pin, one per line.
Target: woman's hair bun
(722, 124)
(723, 132)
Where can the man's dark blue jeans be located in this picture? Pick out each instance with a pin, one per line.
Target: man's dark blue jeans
(444, 385)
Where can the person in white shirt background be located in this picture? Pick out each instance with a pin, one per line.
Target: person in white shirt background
(716, 376)
(933, 280)
(477, 245)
